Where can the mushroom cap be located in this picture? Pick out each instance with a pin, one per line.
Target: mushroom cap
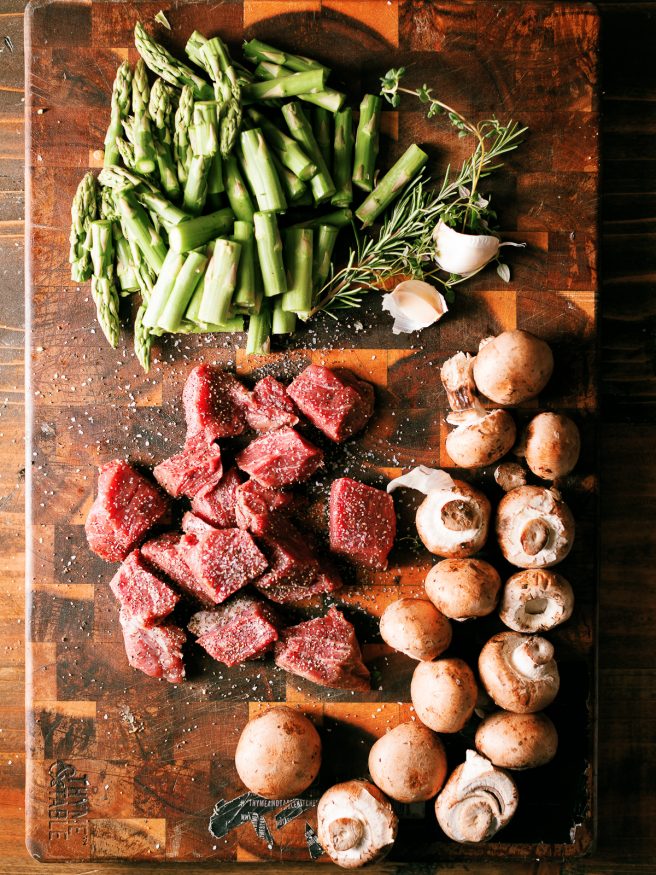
(415, 627)
(513, 367)
(517, 741)
(278, 753)
(477, 801)
(510, 475)
(551, 445)
(536, 600)
(444, 694)
(534, 526)
(463, 588)
(408, 763)
(519, 672)
(482, 441)
(356, 824)
(454, 523)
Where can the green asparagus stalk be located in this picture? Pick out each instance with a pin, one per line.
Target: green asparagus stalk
(143, 339)
(84, 210)
(125, 271)
(163, 287)
(235, 188)
(167, 170)
(289, 86)
(391, 185)
(321, 124)
(259, 332)
(182, 292)
(227, 90)
(289, 152)
(367, 142)
(269, 250)
(128, 128)
(343, 158)
(298, 258)
(103, 288)
(195, 191)
(261, 172)
(300, 129)
(283, 322)
(156, 203)
(203, 133)
(144, 147)
(160, 109)
(245, 296)
(338, 218)
(191, 313)
(220, 283)
(230, 326)
(329, 99)
(163, 64)
(121, 178)
(215, 186)
(194, 44)
(125, 150)
(199, 230)
(293, 187)
(256, 50)
(121, 100)
(181, 144)
(138, 227)
(267, 70)
(325, 238)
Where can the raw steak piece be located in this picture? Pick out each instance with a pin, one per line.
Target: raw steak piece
(223, 561)
(324, 651)
(127, 507)
(214, 403)
(141, 594)
(194, 525)
(242, 628)
(156, 650)
(255, 504)
(280, 458)
(291, 561)
(290, 593)
(270, 406)
(362, 522)
(163, 554)
(197, 467)
(216, 502)
(335, 401)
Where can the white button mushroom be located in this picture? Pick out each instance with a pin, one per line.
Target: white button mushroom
(444, 694)
(517, 741)
(463, 588)
(356, 824)
(408, 763)
(477, 801)
(535, 528)
(414, 305)
(519, 672)
(481, 439)
(551, 445)
(512, 367)
(415, 627)
(510, 475)
(536, 600)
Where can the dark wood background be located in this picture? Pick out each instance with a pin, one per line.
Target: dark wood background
(627, 634)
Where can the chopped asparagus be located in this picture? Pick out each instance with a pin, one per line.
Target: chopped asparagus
(181, 144)
(338, 218)
(261, 172)
(343, 158)
(367, 142)
(289, 152)
(256, 50)
(163, 287)
(220, 282)
(144, 146)
(259, 331)
(235, 188)
(84, 210)
(325, 237)
(163, 64)
(245, 297)
(269, 250)
(299, 127)
(392, 184)
(282, 322)
(138, 227)
(199, 230)
(103, 288)
(182, 291)
(121, 102)
(298, 258)
(321, 126)
(288, 86)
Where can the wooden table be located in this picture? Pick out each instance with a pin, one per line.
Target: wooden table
(627, 602)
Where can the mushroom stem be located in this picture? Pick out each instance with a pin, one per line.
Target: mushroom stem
(345, 833)
(530, 654)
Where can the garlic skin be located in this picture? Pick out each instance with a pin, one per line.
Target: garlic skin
(423, 479)
(414, 305)
(460, 253)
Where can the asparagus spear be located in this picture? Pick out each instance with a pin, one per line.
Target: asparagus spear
(289, 152)
(182, 291)
(259, 330)
(245, 296)
(138, 227)
(215, 184)
(126, 151)
(167, 170)
(338, 218)
(261, 172)
(269, 250)
(227, 89)
(298, 258)
(124, 266)
(288, 86)
(83, 211)
(256, 50)
(282, 321)
(325, 237)
(197, 231)
(121, 100)
(203, 133)
(160, 108)
(144, 147)
(120, 178)
(143, 339)
(322, 134)
(366, 142)
(195, 192)
(103, 289)
(220, 282)
(342, 158)
(328, 98)
(391, 185)
(293, 187)
(171, 267)
(167, 212)
(191, 313)
(204, 140)
(299, 127)
(235, 187)
(181, 144)
(163, 64)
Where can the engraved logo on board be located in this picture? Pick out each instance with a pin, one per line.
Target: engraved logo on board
(68, 803)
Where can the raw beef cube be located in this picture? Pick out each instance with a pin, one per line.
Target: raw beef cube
(194, 525)
(216, 503)
(280, 458)
(291, 561)
(290, 593)
(163, 554)
(197, 467)
(270, 406)
(156, 650)
(214, 403)
(256, 504)
(362, 522)
(242, 628)
(223, 561)
(335, 401)
(127, 507)
(325, 651)
(142, 595)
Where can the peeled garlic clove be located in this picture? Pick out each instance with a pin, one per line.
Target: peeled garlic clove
(424, 479)
(460, 253)
(414, 305)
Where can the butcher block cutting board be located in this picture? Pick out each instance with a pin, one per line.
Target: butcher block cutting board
(124, 766)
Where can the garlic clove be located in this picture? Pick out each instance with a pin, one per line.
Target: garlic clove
(414, 305)
(424, 479)
(460, 253)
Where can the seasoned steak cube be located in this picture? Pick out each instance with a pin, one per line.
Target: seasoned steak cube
(334, 400)
(163, 554)
(362, 522)
(155, 650)
(240, 629)
(255, 505)
(196, 467)
(280, 458)
(216, 502)
(325, 651)
(223, 561)
(142, 595)
(194, 525)
(270, 406)
(290, 593)
(214, 403)
(127, 507)
(290, 559)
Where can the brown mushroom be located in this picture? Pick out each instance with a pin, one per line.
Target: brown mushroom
(415, 627)
(443, 694)
(463, 588)
(458, 381)
(535, 527)
(408, 763)
(536, 600)
(519, 672)
(481, 439)
(510, 475)
(454, 522)
(356, 824)
(551, 445)
(517, 741)
(512, 367)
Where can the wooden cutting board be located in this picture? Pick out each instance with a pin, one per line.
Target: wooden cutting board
(123, 766)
